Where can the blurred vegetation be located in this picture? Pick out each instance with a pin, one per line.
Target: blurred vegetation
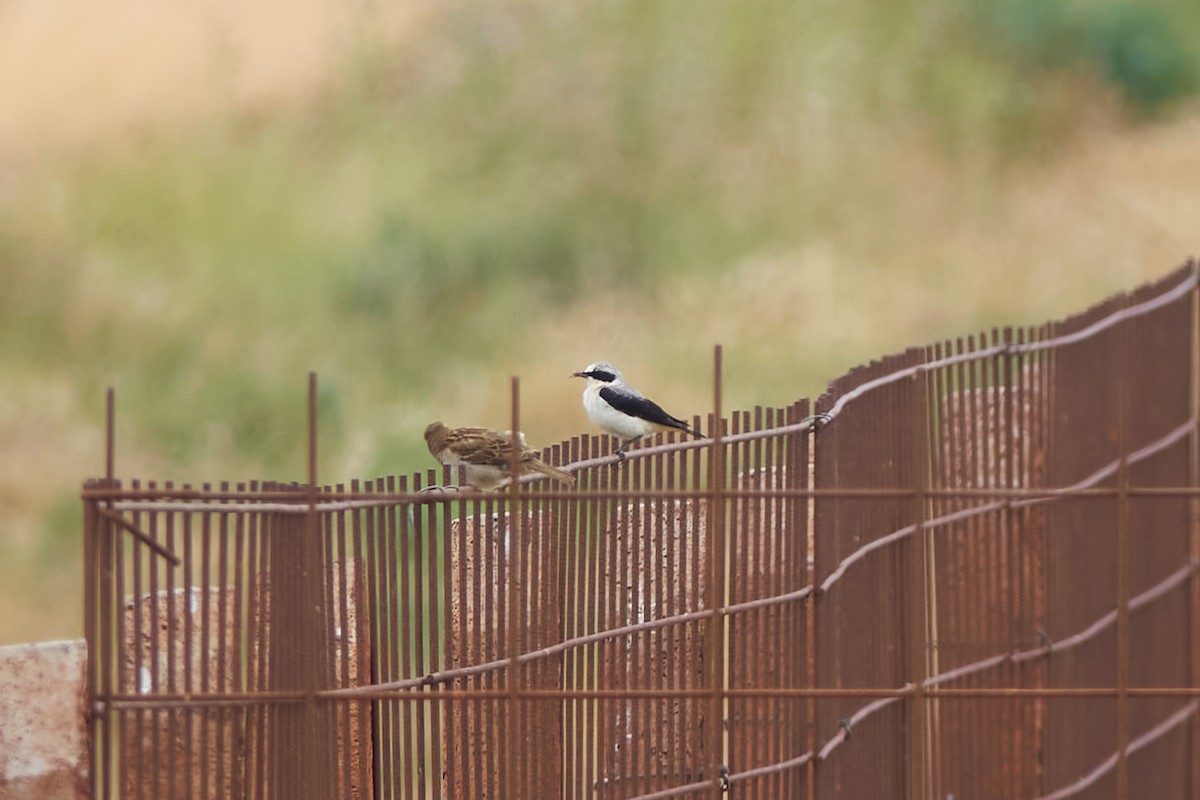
(432, 223)
(1146, 49)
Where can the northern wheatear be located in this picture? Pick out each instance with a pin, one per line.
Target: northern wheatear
(486, 454)
(622, 410)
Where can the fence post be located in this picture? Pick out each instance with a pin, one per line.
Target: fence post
(716, 587)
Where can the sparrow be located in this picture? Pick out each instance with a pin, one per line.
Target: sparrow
(487, 455)
(622, 410)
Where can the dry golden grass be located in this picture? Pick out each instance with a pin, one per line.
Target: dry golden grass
(74, 75)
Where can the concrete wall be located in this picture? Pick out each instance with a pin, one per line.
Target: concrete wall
(43, 735)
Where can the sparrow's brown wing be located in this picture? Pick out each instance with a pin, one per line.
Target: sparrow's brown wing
(481, 446)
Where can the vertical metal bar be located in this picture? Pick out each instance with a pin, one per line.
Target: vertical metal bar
(409, 527)
(1007, 396)
(715, 662)
(205, 715)
(1018, 430)
(239, 719)
(439, 643)
(105, 645)
(515, 591)
(589, 567)
(977, 540)
(106, 602)
(255, 586)
(185, 713)
(122, 637)
(1014, 430)
(696, 568)
(1194, 520)
(390, 553)
(226, 629)
(542, 622)
(423, 612)
(1123, 556)
(141, 631)
(546, 618)
(740, 739)
(376, 548)
(110, 454)
(279, 591)
(806, 463)
(1046, 421)
(364, 645)
(659, 738)
(743, 661)
(471, 576)
(571, 578)
(623, 584)
(607, 654)
(106, 652)
(918, 587)
(768, 566)
(935, 414)
(314, 765)
(339, 619)
(645, 733)
(91, 711)
(495, 597)
(803, 516)
(670, 528)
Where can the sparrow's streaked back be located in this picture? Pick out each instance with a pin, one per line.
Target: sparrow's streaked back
(622, 410)
(487, 455)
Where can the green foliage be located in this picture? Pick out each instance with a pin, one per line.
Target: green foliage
(1147, 50)
(1140, 49)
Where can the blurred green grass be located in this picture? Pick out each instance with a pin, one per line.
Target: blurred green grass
(526, 188)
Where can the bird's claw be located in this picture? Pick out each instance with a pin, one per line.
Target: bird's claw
(437, 488)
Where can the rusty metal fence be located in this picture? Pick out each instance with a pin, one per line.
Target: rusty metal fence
(975, 575)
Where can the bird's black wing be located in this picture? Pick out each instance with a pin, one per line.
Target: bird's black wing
(637, 406)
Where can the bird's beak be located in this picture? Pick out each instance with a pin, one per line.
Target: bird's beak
(578, 375)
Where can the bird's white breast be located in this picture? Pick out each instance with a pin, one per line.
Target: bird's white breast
(610, 419)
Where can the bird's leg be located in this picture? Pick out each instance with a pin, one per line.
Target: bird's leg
(620, 451)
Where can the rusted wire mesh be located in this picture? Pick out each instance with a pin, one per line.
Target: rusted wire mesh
(974, 576)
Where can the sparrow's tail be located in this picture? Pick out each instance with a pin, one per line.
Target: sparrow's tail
(537, 465)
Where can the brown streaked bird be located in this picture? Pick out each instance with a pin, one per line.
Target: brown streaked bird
(486, 454)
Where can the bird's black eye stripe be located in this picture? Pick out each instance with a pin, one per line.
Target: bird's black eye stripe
(602, 375)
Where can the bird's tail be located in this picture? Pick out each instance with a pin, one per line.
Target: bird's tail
(537, 465)
(685, 428)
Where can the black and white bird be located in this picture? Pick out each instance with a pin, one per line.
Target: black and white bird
(622, 410)
(486, 455)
